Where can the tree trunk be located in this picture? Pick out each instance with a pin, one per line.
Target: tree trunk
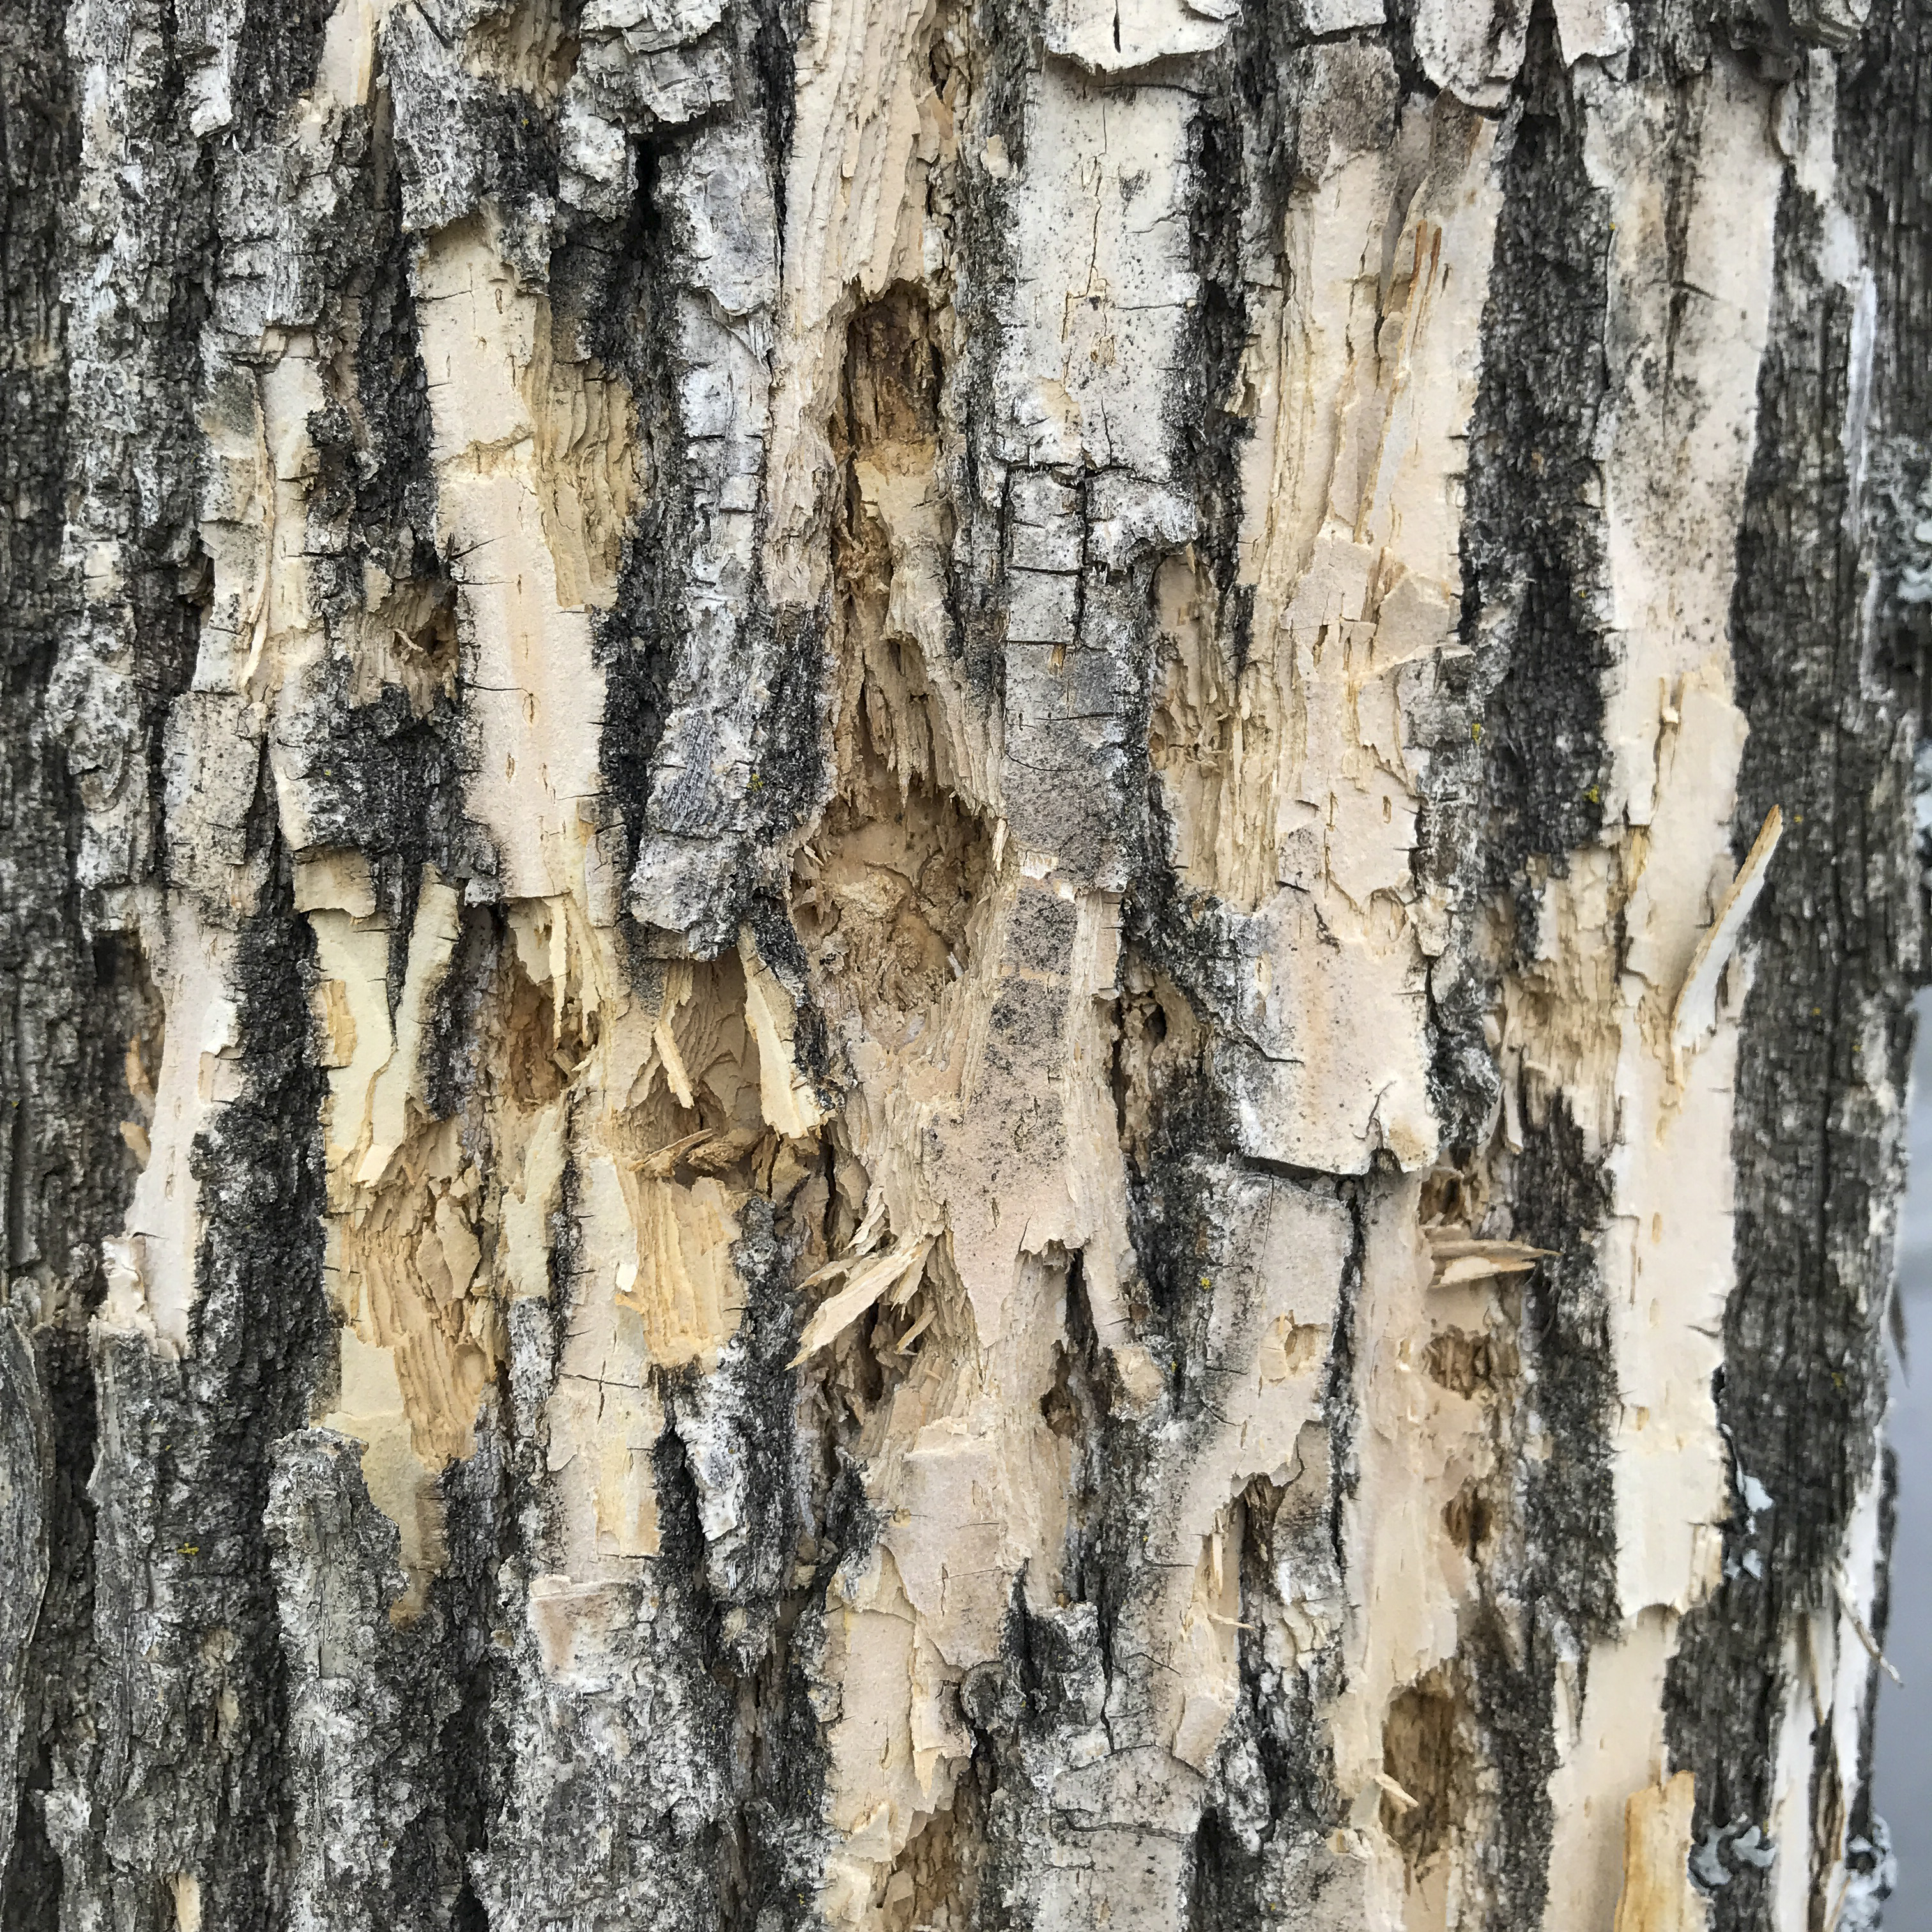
(954, 959)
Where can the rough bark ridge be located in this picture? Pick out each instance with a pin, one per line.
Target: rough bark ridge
(903, 1027)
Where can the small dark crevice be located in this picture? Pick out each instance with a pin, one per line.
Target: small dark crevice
(1341, 1403)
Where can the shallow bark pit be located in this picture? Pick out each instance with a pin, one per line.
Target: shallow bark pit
(1427, 1757)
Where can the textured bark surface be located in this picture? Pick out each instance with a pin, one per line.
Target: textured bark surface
(955, 957)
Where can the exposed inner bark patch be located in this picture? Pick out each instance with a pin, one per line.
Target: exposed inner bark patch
(1426, 1753)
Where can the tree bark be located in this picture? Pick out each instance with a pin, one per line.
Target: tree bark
(954, 959)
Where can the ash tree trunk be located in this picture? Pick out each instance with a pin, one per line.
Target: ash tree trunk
(954, 959)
